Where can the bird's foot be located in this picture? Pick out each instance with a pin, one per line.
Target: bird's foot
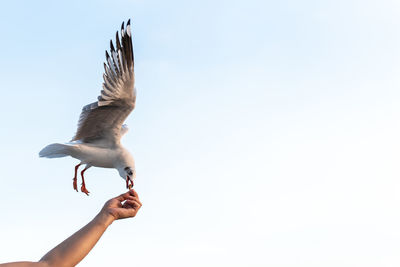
(84, 190)
(75, 184)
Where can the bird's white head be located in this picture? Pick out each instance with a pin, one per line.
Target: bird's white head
(126, 167)
(128, 173)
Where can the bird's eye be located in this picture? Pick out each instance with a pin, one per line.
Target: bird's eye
(128, 171)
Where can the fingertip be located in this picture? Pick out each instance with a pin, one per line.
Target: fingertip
(123, 196)
(127, 195)
(134, 192)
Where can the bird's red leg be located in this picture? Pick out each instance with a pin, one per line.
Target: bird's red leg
(74, 183)
(83, 187)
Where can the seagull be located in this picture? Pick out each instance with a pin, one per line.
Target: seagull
(97, 142)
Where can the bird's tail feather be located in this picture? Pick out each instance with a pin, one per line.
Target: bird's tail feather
(55, 151)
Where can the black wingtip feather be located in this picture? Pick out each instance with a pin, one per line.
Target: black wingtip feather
(123, 43)
(117, 41)
(112, 46)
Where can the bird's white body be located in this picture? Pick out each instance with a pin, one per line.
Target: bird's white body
(97, 156)
(93, 155)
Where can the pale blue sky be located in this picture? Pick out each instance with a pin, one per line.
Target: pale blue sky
(266, 133)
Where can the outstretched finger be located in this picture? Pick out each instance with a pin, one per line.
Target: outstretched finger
(133, 193)
(123, 196)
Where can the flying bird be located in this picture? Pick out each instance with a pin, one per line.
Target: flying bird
(100, 127)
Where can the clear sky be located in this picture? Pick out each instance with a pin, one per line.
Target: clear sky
(266, 133)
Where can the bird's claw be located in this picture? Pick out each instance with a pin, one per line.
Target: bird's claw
(75, 184)
(84, 190)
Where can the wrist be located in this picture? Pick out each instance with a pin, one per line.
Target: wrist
(104, 218)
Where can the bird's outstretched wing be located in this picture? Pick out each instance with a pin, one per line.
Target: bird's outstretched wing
(100, 122)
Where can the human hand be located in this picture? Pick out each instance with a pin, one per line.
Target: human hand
(121, 207)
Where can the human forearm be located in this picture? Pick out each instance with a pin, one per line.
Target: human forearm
(72, 250)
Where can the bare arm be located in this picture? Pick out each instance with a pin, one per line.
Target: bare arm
(72, 250)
